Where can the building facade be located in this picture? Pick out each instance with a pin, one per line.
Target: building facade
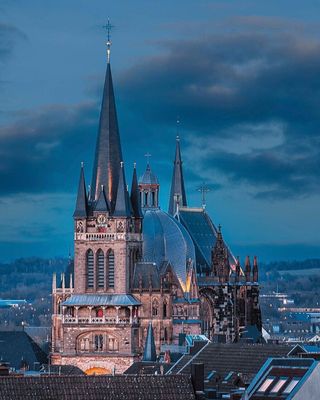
(134, 263)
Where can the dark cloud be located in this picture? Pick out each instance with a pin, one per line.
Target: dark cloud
(9, 35)
(43, 149)
(221, 84)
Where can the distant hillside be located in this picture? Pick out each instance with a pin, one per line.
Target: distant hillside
(292, 265)
(29, 278)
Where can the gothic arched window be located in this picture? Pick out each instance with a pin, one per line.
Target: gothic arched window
(155, 308)
(90, 269)
(165, 308)
(110, 262)
(98, 342)
(100, 269)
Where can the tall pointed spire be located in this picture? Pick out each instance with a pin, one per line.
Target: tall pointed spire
(81, 209)
(177, 194)
(122, 206)
(108, 148)
(135, 194)
(149, 353)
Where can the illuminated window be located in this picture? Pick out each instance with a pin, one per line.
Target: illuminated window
(291, 386)
(278, 385)
(265, 385)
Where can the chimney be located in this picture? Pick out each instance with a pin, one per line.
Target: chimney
(197, 377)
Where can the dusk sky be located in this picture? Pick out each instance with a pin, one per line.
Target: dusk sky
(243, 76)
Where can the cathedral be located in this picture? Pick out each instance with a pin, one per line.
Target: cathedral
(135, 264)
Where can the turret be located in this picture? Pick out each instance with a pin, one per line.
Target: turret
(220, 259)
(149, 189)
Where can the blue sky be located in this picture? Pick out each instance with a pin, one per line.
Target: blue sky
(242, 75)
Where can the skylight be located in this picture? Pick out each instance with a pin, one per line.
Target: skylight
(278, 385)
(265, 385)
(291, 386)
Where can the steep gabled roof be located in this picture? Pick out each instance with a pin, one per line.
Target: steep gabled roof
(108, 154)
(17, 346)
(102, 203)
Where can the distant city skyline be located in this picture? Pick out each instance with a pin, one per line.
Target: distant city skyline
(241, 76)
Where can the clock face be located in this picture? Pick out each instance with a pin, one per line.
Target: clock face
(101, 219)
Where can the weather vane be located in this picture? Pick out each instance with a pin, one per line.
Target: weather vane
(203, 189)
(108, 27)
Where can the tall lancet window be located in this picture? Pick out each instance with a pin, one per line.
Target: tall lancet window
(110, 261)
(90, 269)
(100, 269)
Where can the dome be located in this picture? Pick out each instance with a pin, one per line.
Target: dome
(148, 178)
(165, 239)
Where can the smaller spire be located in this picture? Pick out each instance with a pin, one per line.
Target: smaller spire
(238, 268)
(135, 195)
(82, 200)
(102, 203)
(247, 269)
(122, 206)
(149, 353)
(178, 196)
(255, 270)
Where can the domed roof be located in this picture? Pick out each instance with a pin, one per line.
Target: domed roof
(148, 178)
(165, 239)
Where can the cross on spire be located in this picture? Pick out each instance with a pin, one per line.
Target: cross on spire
(178, 125)
(108, 27)
(203, 189)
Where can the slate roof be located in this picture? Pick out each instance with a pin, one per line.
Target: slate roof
(245, 359)
(61, 370)
(146, 272)
(17, 345)
(203, 233)
(119, 387)
(147, 368)
(101, 300)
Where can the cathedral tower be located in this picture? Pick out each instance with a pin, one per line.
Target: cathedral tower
(95, 322)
